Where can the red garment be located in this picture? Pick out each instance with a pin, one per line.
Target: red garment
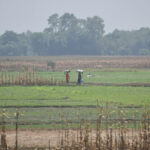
(67, 77)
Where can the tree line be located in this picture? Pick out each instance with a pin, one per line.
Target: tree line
(69, 35)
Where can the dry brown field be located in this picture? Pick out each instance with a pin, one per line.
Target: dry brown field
(73, 62)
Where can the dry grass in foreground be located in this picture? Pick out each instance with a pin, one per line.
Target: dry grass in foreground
(112, 136)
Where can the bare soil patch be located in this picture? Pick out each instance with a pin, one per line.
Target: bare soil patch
(42, 138)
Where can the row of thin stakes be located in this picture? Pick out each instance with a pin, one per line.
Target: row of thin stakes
(86, 138)
(3, 145)
(26, 78)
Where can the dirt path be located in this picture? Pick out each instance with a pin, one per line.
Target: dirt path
(33, 138)
(41, 138)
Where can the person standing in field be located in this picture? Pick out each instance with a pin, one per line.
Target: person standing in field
(79, 76)
(67, 76)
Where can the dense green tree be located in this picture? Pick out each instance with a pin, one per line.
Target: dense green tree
(95, 27)
(12, 44)
(39, 43)
(127, 42)
(53, 23)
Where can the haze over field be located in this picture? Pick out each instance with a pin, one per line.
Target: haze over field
(67, 27)
(23, 15)
(75, 74)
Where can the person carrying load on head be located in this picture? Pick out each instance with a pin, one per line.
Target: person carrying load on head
(67, 76)
(79, 81)
(79, 77)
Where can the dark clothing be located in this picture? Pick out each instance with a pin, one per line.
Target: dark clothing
(79, 77)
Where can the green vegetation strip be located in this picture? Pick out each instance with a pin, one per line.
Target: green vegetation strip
(113, 75)
(61, 117)
(73, 96)
(104, 76)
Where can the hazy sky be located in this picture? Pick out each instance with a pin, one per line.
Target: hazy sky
(23, 15)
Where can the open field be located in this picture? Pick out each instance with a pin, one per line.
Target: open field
(98, 76)
(132, 71)
(111, 77)
(73, 95)
(110, 110)
(119, 93)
